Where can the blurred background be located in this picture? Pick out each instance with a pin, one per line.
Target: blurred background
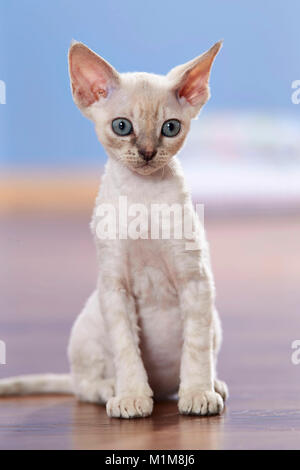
(242, 160)
(243, 149)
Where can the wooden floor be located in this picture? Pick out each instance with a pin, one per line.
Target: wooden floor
(48, 269)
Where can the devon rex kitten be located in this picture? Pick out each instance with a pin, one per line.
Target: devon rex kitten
(150, 327)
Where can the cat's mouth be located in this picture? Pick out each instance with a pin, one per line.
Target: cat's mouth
(145, 168)
(146, 164)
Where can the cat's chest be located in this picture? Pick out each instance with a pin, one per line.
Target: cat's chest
(149, 276)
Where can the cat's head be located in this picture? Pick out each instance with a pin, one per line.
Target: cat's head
(141, 119)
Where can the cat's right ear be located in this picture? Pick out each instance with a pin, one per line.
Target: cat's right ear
(92, 78)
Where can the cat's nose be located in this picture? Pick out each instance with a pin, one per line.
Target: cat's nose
(147, 155)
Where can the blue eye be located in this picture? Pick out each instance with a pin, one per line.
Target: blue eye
(171, 128)
(122, 126)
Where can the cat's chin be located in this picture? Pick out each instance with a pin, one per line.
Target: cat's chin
(145, 170)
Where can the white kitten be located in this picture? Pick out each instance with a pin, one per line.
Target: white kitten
(151, 326)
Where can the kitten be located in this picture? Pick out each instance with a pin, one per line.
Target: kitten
(150, 327)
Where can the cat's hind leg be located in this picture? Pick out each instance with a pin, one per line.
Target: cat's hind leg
(90, 361)
(219, 385)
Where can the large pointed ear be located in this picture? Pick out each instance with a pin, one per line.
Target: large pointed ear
(92, 78)
(191, 80)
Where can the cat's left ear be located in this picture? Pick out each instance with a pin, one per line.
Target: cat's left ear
(191, 80)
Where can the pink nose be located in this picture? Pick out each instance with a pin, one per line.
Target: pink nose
(147, 155)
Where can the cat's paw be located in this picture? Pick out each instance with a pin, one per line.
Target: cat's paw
(221, 388)
(129, 407)
(200, 403)
(94, 391)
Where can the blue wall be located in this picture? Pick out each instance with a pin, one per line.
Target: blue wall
(40, 126)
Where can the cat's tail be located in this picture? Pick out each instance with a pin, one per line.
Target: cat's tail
(37, 383)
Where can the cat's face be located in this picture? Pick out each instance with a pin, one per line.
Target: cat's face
(142, 124)
(141, 119)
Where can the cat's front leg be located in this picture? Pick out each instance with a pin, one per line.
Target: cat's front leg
(196, 393)
(133, 396)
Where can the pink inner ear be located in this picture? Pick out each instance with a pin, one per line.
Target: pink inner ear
(91, 76)
(195, 86)
(196, 93)
(87, 85)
